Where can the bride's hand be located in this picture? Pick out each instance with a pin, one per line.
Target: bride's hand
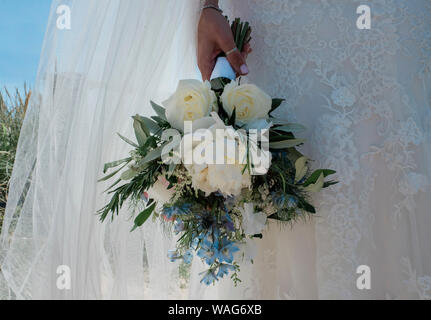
(214, 37)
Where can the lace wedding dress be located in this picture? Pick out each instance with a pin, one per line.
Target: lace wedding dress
(364, 96)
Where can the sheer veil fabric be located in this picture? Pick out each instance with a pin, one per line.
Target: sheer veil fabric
(363, 94)
(117, 56)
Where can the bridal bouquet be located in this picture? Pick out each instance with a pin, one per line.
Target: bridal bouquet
(214, 164)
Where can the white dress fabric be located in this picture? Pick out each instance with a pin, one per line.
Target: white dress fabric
(364, 95)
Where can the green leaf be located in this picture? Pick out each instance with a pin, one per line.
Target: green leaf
(143, 216)
(330, 183)
(140, 132)
(277, 121)
(128, 141)
(153, 127)
(275, 104)
(242, 37)
(160, 111)
(115, 164)
(316, 174)
(291, 127)
(172, 168)
(153, 154)
(306, 206)
(113, 185)
(232, 118)
(109, 176)
(129, 174)
(286, 144)
(317, 186)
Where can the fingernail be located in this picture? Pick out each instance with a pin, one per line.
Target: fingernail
(244, 69)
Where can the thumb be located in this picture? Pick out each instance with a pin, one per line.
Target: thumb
(237, 61)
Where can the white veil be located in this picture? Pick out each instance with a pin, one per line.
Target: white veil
(91, 80)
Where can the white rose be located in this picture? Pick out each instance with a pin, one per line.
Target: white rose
(248, 100)
(191, 101)
(228, 179)
(252, 222)
(210, 177)
(160, 192)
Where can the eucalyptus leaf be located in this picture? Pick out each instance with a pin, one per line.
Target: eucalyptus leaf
(152, 126)
(277, 121)
(160, 111)
(128, 141)
(153, 154)
(140, 119)
(140, 134)
(129, 174)
(291, 127)
(109, 176)
(143, 216)
(160, 121)
(115, 164)
(286, 144)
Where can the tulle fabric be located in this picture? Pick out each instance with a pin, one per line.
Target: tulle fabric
(117, 56)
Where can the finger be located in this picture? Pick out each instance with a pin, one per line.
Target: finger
(206, 62)
(236, 59)
(206, 69)
(246, 51)
(247, 48)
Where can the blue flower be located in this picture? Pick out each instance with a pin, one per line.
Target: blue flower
(209, 278)
(173, 255)
(179, 227)
(292, 202)
(207, 252)
(195, 242)
(224, 270)
(226, 251)
(188, 257)
(279, 199)
(228, 223)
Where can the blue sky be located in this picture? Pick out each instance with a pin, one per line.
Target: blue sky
(22, 28)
